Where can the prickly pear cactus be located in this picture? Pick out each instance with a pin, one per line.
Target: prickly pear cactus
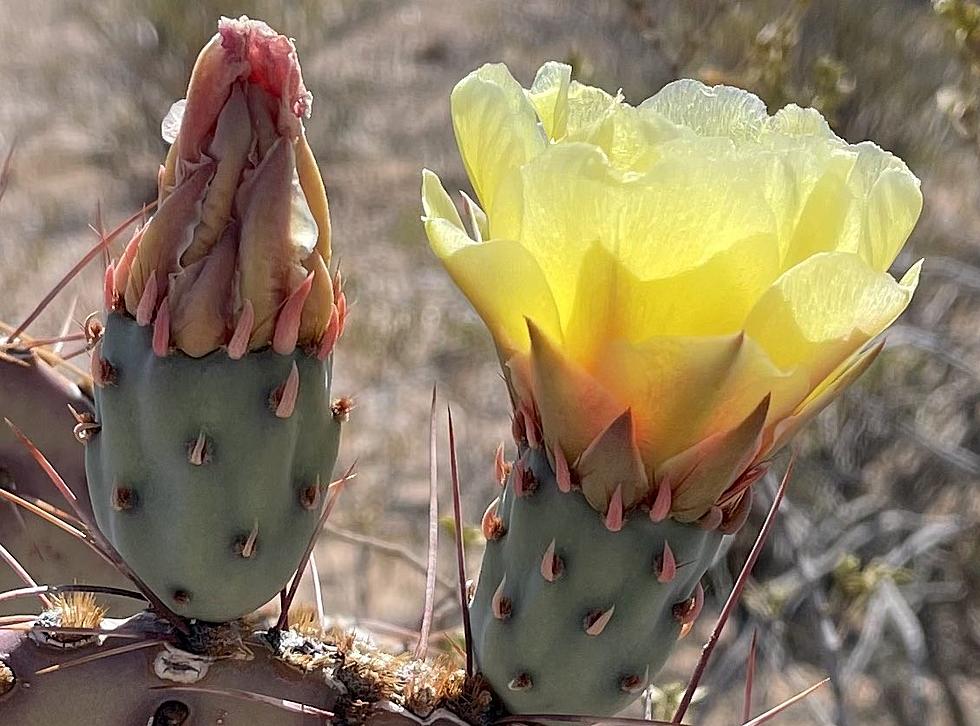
(215, 437)
(568, 616)
(207, 492)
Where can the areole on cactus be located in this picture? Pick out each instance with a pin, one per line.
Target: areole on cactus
(217, 438)
(673, 290)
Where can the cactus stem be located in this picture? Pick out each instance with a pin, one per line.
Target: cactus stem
(687, 611)
(500, 604)
(711, 519)
(238, 345)
(148, 300)
(666, 565)
(552, 566)
(614, 514)
(597, 620)
(245, 546)
(500, 466)
(109, 287)
(662, 502)
(287, 324)
(199, 450)
(123, 498)
(563, 476)
(284, 397)
(520, 682)
(492, 525)
(161, 329)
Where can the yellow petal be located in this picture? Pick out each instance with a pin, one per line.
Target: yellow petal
(436, 202)
(549, 95)
(711, 299)
(821, 397)
(501, 280)
(676, 217)
(710, 111)
(821, 311)
(496, 128)
(684, 389)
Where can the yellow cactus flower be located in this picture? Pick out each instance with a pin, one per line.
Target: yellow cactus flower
(675, 287)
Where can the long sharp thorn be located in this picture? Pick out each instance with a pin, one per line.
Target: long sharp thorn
(286, 600)
(107, 550)
(735, 594)
(287, 324)
(238, 345)
(460, 553)
(773, 712)
(161, 329)
(661, 505)
(749, 679)
(86, 258)
(433, 550)
(66, 326)
(321, 616)
(56, 589)
(24, 576)
(46, 516)
(99, 655)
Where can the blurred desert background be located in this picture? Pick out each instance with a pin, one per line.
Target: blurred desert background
(873, 574)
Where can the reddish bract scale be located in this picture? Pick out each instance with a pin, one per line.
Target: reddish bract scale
(330, 335)
(614, 514)
(284, 397)
(666, 565)
(148, 300)
(661, 504)
(563, 476)
(238, 345)
(711, 519)
(109, 287)
(501, 469)
(287, 324)
(161, 329)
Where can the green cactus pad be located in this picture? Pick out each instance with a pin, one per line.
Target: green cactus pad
(539, 657)
(216, 539)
